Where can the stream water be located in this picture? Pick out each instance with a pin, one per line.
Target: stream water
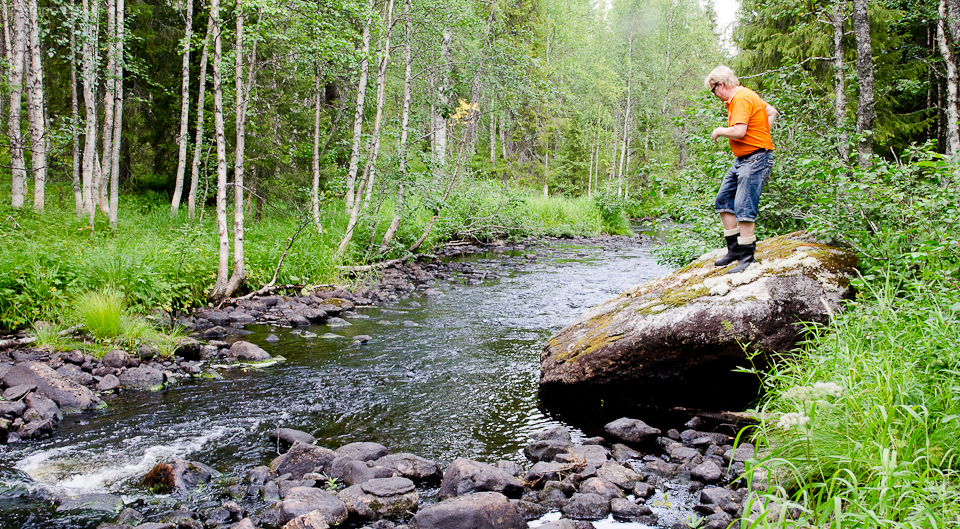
(442, 377)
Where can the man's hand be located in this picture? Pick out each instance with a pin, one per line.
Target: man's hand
(736, 132)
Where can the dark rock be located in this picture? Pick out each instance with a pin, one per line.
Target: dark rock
(363, 451)
(552, 498)
(116, 359)
(631, 430)
(695, 438)
(12, 409)
(595, 455)
(90, 502)
(509, 467)
(247, 352)
(188, 347)
(179, 475)
(69, 395)
(214, 333)
(672, 433)
(74, 373)
(302, 500)
(17, 392)
(310, 520)
(716, 496)
(246, 523)
(109, 383)
(546, 450)
(298, 320)
(687, 328)
(286, 485)
(720, 520)
(270, 492)
(356, 472)
(36, 428)
(74, 357)
(542, 472)
(707, 472)
(586, 507)
(742, 453)
(410, 466)
(362, 338)
(337, 322)
(601, 487)
(301, 459)
(381, 498)
(129, 516)
(480, 510)
(142, 378)
(273, 338)
(619, 475)
(644, 490)
(627, 510)
(528, 509)
(684, 454)
(288, 436)
(47, 408)
(660, 468)
(557, 433)
(694, 423)
(314, 315)
(564, 523)
(464, 476)
(622, 452)
(595, 441)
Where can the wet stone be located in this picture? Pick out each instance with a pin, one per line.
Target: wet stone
(707, 472)
(586, 507)
(273, 338)
(628, 510)
(18, 392)
(528, 509)
(387, 486)
(90, 502)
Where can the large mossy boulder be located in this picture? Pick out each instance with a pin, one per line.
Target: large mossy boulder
(676, 338)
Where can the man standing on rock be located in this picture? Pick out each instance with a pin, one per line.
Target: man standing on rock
(749, 120)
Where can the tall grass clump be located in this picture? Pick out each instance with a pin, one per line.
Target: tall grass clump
(100, 312)
(861, 427)
(557, 216)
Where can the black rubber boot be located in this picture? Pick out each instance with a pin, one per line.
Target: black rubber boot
(733, 251)
(746, 257)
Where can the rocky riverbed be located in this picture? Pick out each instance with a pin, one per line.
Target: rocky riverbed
(219, 347)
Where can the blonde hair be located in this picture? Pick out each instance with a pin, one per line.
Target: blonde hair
(721, 74)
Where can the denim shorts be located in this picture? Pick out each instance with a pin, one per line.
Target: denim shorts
(740, 191)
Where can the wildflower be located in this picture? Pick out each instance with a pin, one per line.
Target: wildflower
(789, 420)
(829, 388)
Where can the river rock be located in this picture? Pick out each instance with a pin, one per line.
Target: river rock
(302, 500)
(109, 383)
(557, 433)
(117, 359)
(395, 498)
(311, 520)
(621, 452)
(480, 510)
(595, 455)
(214, 333)
(90, 502)
(301, 459)
(36, 428)
(623, 509)
(288, 436)
(619, 475)
(564, 523)
(546, 450)
(142, 378)
(586, 507)
(464, 476)
(247, 352)
(355, 472)
(12, 409)
(678, 336)
(707, 472)
(47, 408)
(631, 430)
(410, 466)
(601, 487)
(17, 392)
(69, 395)
(178, 475)
(542, 472)
(741, 454)
(363, 451)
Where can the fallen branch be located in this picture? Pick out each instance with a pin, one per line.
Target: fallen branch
(374, 266)
(16, 342)
(276, 271)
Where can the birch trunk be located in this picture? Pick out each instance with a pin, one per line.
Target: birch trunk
(182, 139)
(626, 114)
(404, 123)
(840, 89)
(117, 120)
(223, 268)
(373, 148)
(949, 54)
(108, 114)
(493, 133)
(75, 114)
(91, 15)
(15, 81)
(866, 109)
(358, 114)
(315, 190)
(35, 111)
(198, 141)
(443, 97)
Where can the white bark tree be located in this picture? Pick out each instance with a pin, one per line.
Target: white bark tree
(198, 138)
(35, 111)
(91, 15)
(118, 116)
(404, 124)
(947, 41)
(15, 82)
(358, 113)
(866, 107)
(184, 138)
(223, 268)
(110, 82)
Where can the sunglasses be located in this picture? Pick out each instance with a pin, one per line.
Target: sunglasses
(714, 89)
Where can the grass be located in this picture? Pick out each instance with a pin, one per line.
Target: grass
(862, 426)
(100, 313)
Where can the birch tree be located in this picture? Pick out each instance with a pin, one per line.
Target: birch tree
(866, 107)
(35, 107)
(947, 39)
(198, 137)
(91, 15)
(15, 82)
(223, 237)
(183, 137)
(118, 115)
(358, 112)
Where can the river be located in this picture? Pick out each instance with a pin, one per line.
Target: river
(443, 377)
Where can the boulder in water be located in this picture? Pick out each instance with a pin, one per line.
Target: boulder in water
(247, 352)
(464, 476)
(480, 510)
(301, 459)
(178, 475)
(679, 336)
(69, 395)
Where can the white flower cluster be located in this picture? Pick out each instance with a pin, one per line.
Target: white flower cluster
(818, 390)
(789, 420)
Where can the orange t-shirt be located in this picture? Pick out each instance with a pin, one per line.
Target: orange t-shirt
(745, 106)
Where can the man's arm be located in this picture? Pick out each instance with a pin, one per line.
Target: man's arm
(771, 116)
(736, 132)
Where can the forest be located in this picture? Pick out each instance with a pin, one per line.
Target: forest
(176, 153)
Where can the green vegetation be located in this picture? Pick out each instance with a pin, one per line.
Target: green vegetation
(54, 269)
